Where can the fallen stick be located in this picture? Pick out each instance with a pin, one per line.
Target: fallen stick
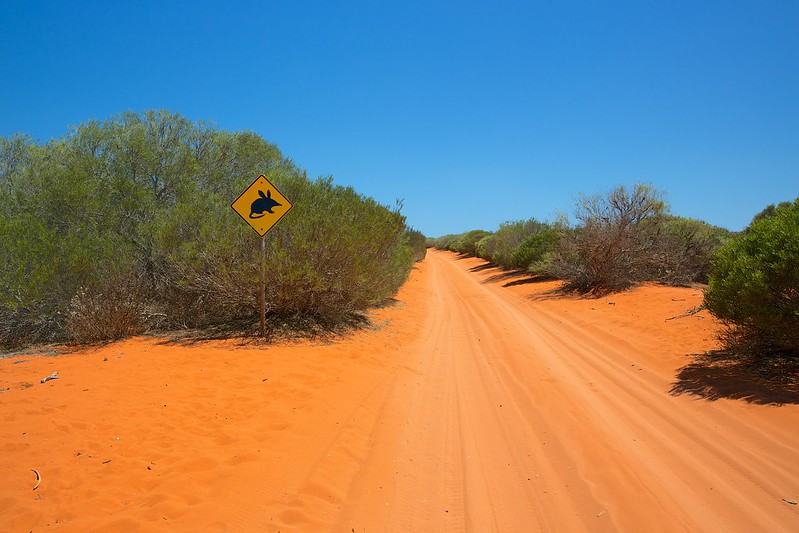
(690, 312)
(38, 478)
(54, 375)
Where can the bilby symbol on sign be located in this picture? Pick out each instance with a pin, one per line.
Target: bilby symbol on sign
(264, 204)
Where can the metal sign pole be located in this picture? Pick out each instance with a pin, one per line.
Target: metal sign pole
(261, 206)
(262, 296)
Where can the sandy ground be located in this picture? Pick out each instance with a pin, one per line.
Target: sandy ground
(483, 402)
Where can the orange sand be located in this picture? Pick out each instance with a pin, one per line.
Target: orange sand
(481, 402)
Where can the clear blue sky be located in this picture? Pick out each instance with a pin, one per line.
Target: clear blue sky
(472, 112)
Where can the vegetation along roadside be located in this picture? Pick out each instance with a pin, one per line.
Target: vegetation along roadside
(123, 226)
(628, 235)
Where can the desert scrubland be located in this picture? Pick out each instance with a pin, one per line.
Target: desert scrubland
(478, 401)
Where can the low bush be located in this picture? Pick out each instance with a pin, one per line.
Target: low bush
(466, 243)
(114, 308)
(485, 247)
(332, 265)
(503, 249)
(684, 250)
(23, 326)
(536, 251)
(627, 236)
(418, 243)
(515, 245)
(754, 283)
(441, 243)
(148, 195)
(612, 246)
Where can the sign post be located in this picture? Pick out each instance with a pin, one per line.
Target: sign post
(261, 206)
(262, 292)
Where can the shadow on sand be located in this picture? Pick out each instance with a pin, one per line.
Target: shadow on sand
(484, 266)
(502, 275)
(511, 277)
(278, 329)
(718, 374)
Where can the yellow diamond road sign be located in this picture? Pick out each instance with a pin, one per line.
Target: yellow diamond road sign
(261, 205)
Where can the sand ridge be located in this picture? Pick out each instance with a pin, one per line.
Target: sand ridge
(482, 402)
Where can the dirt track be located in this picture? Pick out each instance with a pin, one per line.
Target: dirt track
(483, 404)
(521, 420)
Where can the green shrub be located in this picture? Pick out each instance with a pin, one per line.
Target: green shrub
(332, 265)
(466, 243)
(441, 243)
(317, 265)
(535, 252)
(418, 243)
(485, 247)
(500, 247)
(507, 240)
(769, 211)
(146, 197)
(754, 282)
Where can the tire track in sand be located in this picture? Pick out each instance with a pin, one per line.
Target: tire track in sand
(519, 420)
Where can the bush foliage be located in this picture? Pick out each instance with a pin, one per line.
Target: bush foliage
(614, 241)
(620, 238)
(519, 245)
(537, 250)
(125, 224)
(627, 236)
(466, 243)
(754, 283)
(418, 243)
(513, 245)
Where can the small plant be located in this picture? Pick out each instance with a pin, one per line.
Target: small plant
(685, 250)
(754, 283)
(112, 309)
(418, 243)
(441, 243)
(536, 251)
(30, 325)
(466, 243)
(500, 246)
(612, 246)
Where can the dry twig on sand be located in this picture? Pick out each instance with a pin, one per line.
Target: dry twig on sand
(54, 375)
(690, 312)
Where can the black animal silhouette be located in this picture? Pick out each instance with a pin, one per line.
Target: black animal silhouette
(262, 205)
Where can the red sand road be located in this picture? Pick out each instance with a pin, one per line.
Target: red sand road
(481, 403)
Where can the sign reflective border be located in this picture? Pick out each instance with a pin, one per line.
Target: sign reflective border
(261, 205)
